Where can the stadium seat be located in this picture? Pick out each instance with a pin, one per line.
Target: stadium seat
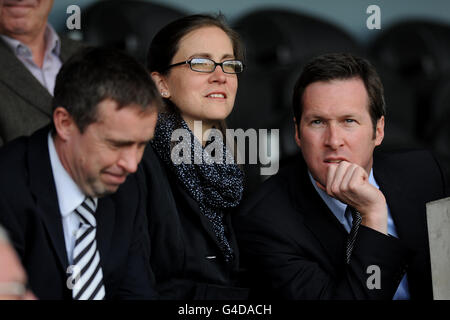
(126, 24)
(419, 52)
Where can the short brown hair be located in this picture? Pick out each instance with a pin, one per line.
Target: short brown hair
(341, 66)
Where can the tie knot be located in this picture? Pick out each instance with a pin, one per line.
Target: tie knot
(86, 211)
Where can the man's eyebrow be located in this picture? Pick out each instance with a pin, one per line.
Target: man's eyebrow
(119, 142)
(126, 142)
(315, 116)
(349, 115)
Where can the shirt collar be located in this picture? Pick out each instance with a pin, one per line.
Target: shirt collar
(15, 45)
(52, 41)
(51, 38)
(69, 194)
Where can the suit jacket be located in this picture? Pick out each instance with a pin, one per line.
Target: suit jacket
(294, 246)
(185, 254)
(25, 105)
(29, 210)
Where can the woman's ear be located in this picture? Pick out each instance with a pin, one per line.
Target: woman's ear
(161, 84)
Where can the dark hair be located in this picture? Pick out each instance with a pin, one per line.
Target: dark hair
(341, 66)
(166, 42)
(95, 74)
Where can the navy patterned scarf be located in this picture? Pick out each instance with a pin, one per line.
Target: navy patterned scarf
(215, 186)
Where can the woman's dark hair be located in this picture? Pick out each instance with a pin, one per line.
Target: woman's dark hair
(166, 42)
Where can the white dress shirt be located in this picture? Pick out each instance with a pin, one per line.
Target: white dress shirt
(70, 197)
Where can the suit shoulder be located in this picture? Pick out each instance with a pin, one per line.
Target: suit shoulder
(411, 161)
(14, 177)
(414, 169)
(12, 155)
(273, 191)
(403, 154)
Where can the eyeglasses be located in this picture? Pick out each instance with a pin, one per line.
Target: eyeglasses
(207, 65)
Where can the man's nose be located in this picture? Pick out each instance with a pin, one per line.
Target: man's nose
(333, 138)
(129, 159)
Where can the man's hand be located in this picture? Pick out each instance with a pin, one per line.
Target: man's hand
(349, 183)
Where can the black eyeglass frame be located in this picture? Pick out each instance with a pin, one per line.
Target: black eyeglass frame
(189, 62)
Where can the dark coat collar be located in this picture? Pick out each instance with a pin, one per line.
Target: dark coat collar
(43, 189)
(331, 235)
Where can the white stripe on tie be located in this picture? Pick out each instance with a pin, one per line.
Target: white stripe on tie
(89, 285)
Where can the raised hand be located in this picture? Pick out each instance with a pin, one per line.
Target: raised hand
(349, 183)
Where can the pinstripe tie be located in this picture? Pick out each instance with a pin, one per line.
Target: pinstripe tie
(86, 258)
(353, 231)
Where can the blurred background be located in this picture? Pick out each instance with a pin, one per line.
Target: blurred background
(411, 51)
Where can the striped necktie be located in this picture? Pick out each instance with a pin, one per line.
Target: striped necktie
(89, 283)
(356, 222)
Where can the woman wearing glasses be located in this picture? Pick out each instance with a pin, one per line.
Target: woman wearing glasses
(193, 181)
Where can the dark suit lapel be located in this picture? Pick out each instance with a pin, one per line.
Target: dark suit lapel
(410, 222)
(17, 77)
(402, 205)
(318, 217)
(43, 189)
(105, 216)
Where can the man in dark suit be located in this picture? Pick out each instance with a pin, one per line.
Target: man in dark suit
(339, 222)
(74, 214)
(31, 53)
